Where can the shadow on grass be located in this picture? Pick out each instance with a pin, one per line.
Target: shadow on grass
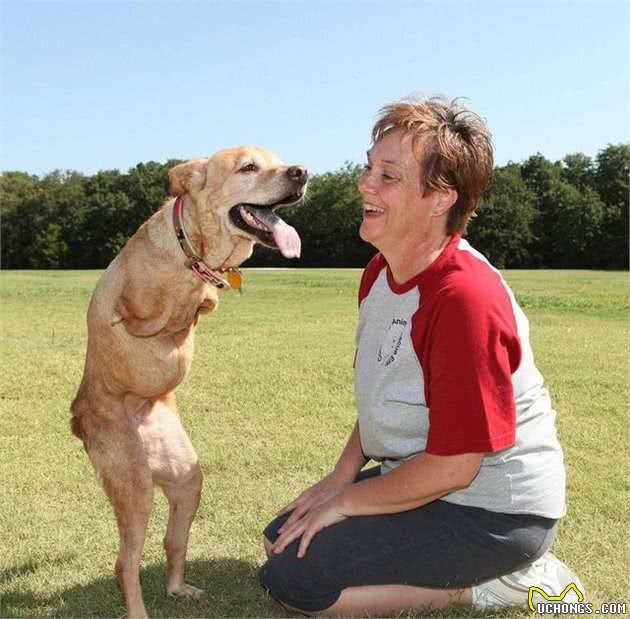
(25, 569)
(231, 590)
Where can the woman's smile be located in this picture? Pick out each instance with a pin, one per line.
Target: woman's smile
(370, 211)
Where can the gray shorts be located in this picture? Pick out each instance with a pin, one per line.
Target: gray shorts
(439, 545)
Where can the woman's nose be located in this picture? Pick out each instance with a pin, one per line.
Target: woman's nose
(365, 184)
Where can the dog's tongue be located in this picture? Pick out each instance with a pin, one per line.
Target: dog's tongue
(285, 236)
(287, 239)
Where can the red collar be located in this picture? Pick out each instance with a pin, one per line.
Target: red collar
(193, 260)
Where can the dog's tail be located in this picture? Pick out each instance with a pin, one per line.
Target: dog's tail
(76, 428)
(79, 408)
(93, 409)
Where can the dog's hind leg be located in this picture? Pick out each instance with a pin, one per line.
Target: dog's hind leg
(115, 449)
(183, 502)
(175, 467)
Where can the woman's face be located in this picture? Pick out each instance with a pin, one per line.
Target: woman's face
(394, 209)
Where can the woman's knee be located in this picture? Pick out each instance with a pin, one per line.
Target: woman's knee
(295, 583)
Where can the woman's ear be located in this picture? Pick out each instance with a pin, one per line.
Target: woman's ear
(445, 199)
(188, 176)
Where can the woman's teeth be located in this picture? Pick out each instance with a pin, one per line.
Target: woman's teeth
(368, 208)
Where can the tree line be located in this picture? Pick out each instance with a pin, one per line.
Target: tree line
(571, 213)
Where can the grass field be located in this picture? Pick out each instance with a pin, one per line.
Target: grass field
(268, 405)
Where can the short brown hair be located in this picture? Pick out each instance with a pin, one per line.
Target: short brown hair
(452, 145)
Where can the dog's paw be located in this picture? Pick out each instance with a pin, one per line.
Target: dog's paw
(187, 592)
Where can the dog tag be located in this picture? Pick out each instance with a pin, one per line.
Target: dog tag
(235, 279)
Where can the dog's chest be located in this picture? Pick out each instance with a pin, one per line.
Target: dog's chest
(176, 363)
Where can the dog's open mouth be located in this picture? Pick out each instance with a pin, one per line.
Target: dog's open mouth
(267, 227)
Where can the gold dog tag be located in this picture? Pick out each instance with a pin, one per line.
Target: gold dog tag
(235, 279)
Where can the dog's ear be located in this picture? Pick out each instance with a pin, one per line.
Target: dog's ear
(188, 176)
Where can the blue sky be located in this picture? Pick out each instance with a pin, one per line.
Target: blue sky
(99, 85)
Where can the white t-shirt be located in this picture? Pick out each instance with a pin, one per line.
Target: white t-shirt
(444, 365)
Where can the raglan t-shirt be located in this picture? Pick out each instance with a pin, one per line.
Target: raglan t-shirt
(444, 365)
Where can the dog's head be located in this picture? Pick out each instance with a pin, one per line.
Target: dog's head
(236, 193)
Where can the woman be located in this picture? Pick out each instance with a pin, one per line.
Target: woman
(464, 504)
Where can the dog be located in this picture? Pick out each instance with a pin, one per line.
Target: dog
(141, 326)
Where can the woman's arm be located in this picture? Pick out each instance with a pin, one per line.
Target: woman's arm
(352, 458)
(417, 481)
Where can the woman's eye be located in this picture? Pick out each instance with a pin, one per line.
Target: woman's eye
(249, 167)
(387, 178)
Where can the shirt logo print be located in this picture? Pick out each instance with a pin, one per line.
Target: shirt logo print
(393, 340)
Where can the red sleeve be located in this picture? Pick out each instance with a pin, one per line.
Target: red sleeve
(369, 275)
(472, 351)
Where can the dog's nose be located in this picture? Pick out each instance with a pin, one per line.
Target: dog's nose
(297, 172)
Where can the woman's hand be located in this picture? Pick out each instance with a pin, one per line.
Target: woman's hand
(324, 515)
(312, 497)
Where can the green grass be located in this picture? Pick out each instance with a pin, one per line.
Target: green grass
(268, 405)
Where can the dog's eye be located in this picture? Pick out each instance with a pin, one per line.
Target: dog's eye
(249, 167)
